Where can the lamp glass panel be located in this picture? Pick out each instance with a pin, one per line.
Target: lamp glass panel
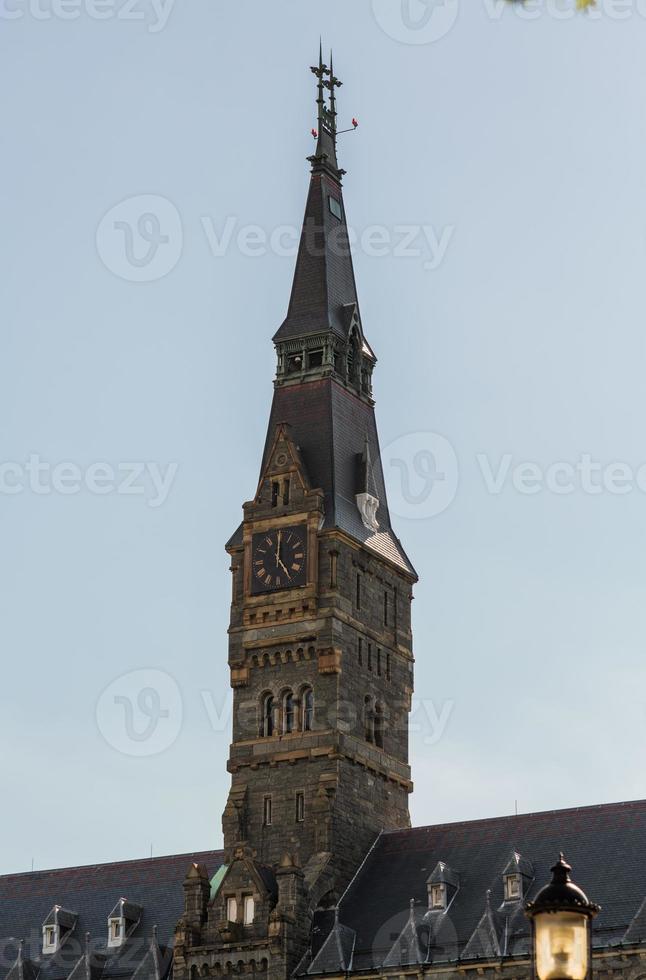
(561, 945)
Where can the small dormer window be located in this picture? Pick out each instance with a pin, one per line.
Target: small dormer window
(438, 896)
(57, 927)
(517, 876)
(122, 922)
(513, 888)
(50, 939)
(442, 886)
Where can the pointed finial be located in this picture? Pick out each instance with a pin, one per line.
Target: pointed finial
(155, 933)
(336, 915)
(488, 900)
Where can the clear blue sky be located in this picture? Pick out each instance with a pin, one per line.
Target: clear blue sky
(523, 142)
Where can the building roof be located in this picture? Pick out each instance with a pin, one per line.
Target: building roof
(91, 893)
(377, 926)
(606, 845)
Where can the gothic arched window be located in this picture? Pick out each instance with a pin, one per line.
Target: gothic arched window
(379, 725)
(288, 712)
(307, 709)
(267, 727)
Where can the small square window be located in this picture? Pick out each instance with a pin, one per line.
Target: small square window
(116, 932)
(512, 888)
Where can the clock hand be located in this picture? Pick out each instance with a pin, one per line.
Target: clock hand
(284, 569)
(280, 534)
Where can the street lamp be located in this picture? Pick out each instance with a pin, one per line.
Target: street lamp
(561, 918)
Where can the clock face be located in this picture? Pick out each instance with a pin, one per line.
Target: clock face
(278, 559)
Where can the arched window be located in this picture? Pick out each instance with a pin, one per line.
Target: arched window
(267, 727)
(353, 366)
(379, 725)
(368, 719)
(288, 712)
(307, 710)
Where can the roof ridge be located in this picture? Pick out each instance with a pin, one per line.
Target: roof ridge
(111, 864)
(517, 816)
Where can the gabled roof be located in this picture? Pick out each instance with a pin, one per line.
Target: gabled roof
(89, 967)
(155, 962)
(335, 955)
(155, 884)
(407, 949)
(22, 969)
(484, 942)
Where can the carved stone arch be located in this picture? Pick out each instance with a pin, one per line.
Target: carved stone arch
(264, 964)
(285, 656)
(266, 660)
(299, 654)
(194, 972)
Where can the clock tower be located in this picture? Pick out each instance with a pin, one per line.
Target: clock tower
(320, 652)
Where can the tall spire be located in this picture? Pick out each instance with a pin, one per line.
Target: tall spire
(325, 157)
(324, 300)
(323, 385)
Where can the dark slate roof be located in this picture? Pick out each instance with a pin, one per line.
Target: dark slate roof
(606, 845)
(324, 283)
(332, 427)
(92, 892)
